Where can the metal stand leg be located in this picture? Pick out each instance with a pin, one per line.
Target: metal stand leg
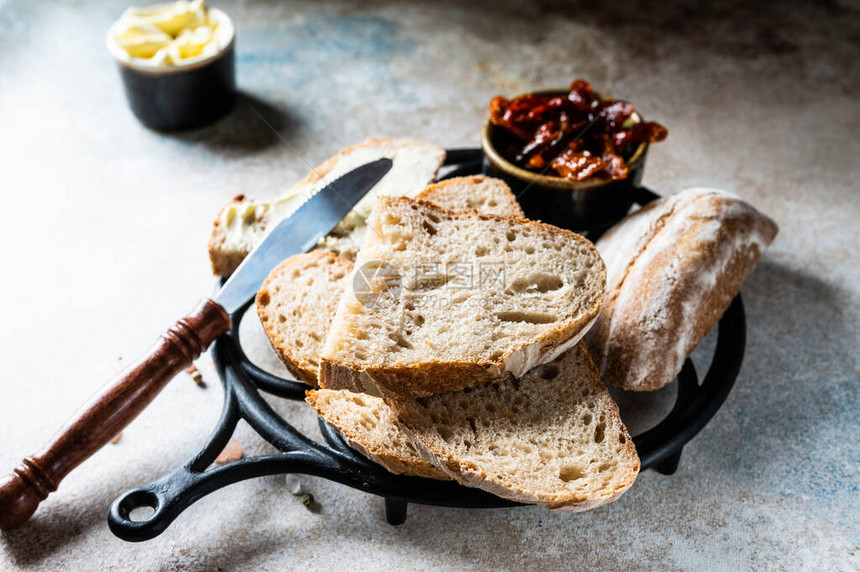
(395, 511)
(669, 465)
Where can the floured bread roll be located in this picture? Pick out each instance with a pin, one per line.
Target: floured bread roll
(673, 268)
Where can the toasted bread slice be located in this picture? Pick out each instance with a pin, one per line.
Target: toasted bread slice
(370, 427)
(458, 299)
(674, 267)
(553, 437)
(298, 300)
(243, 223)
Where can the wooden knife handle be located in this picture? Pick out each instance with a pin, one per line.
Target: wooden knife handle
(109, 412)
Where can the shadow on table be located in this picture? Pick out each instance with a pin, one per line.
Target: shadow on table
(797, 392)
(732, 28)
(253, 125)
(56, 526)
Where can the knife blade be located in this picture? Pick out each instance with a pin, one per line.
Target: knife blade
(106, 414)
(300, 231)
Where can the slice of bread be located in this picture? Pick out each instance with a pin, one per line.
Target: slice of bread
(484, 194)
(243, 223)
(297, 302)
(674, 266)
(458, 299)
(370, 427)
(553, 437)
(296, 305)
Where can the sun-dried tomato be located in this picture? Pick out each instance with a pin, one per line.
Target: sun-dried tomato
(578, 136)
(577, 165)
(639, 132)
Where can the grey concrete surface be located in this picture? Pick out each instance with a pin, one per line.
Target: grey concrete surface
(104, 226)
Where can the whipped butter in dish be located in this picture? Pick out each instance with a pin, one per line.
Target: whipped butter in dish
(174, 34)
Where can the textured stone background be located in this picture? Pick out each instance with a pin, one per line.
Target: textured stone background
(104, 225)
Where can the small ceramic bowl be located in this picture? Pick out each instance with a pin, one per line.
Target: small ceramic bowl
(170, 98)
(577, 205)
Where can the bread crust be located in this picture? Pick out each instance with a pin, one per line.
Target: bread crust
(672, 283)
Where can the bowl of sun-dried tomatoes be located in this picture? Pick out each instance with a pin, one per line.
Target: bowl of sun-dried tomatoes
(574, 157)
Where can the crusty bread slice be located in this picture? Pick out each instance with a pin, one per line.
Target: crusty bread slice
(297, 302)
(243, 223)
(553, 437)
(673, 267)
(296, 305)
(370, 427)
(458, 299)
(484, 194)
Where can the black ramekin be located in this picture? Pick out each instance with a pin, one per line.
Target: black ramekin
(170, 98)
(577, 205)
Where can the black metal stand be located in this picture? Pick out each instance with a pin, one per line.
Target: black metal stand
(242, 381)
